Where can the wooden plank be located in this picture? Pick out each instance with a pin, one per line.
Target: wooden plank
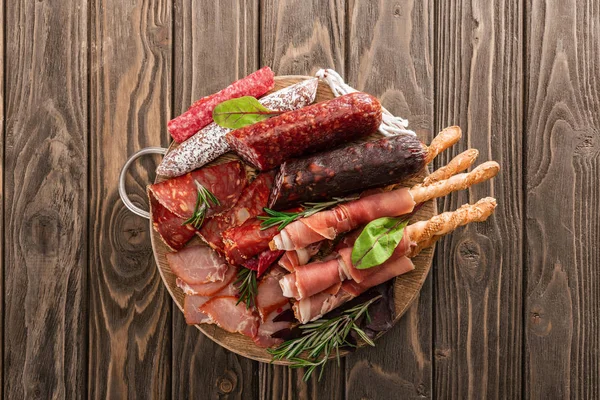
(563, 217)
(215, 43)
(130, 328)
(390, 55)
(478, 280)
(2, 192)
(45, 214)
(300, 36)
(297, 38)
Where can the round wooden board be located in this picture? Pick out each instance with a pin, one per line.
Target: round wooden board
(406, 287)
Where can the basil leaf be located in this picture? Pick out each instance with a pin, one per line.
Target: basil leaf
(239, 112)
(377, 242)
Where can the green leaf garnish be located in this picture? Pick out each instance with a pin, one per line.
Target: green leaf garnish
(204, 201)
(377, 242)
(239, 112)
(281, 219)
(322, 338)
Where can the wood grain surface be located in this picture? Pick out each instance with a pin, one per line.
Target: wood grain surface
(511, 306)
(393, 60)
(130, 323)
(232, 27)
(562, 357)
(478, 281)
(45, 200)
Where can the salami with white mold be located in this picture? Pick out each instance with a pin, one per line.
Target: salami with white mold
(210, 143)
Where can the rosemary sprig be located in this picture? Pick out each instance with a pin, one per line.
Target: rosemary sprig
(247, 286)
(204, 201)
(281, 219)
(322, 338)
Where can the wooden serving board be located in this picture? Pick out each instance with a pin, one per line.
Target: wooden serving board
(406, 287)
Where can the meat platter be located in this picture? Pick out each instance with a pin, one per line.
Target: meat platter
(249, 215)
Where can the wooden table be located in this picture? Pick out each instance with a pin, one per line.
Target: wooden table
(511, 307)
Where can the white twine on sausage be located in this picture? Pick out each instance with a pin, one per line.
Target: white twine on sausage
(390, 125)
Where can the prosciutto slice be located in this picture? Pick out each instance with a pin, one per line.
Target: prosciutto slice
(250, 204)
(314, 307)
(308, 280)
(192, 304)
(271, 325)
(198, 264)
(270, 297)
(293, 258)
(231, 317)
(343, 218)
(210, 288)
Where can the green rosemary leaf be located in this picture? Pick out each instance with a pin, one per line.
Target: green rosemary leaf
(204, 201)
(247, 286)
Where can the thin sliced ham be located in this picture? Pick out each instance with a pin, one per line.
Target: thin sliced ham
(343, 218)
(293, 258)
(198, 264)
(314, 307)
(209, 288)
(192, 304)
(232, 317)
(269, 327)
(270, 297)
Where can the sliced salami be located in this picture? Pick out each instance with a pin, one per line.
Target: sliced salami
(200, 113)
(210, 143)
(179, 195)
(320, 126)
(168, 225)
(250, 204)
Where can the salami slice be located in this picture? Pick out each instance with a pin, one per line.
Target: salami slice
(210, 142)
(320, 126)
(200, 113)
(249, 205)
(179, 195)
(168, 225)
(349, 169)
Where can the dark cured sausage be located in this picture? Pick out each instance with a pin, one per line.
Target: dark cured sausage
(320, 126)
(347, 170)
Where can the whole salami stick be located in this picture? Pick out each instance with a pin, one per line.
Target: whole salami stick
(210, 142)
(356, 167)
(268, 143)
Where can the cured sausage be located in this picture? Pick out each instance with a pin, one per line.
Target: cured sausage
(200, 113)
(347, 170)
(179, 195)
(268, 143)
(250, 204)
(168, 225)
(210, 142)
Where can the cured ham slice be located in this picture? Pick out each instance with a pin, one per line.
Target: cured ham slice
(198, 264)
(345, 217)
(250, 204)
(270, 326)
(179, 195)
(232, 317)
(192, 304)
(293, 258)
(168, 225)
(210, 288)
(270, 297)
(314, 307)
